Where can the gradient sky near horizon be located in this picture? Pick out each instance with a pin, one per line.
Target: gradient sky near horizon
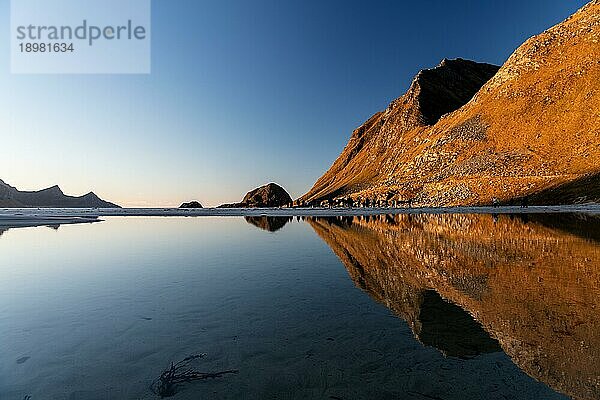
(241, 93)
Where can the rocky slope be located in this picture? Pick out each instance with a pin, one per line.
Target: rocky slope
(51, 197)
(532, 285)
(459, 137)
(269, 195)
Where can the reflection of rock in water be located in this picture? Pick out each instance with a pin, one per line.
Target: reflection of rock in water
(8, 222)
(582, 225)
(271, 224)
(450, 329)
(533, 286)
(4, 229)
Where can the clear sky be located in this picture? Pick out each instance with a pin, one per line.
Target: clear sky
(241, 93)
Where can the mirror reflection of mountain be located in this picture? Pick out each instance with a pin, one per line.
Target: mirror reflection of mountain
(532, 283)
(17, 221)
(271, 224)
(450, 329)
(6, 228)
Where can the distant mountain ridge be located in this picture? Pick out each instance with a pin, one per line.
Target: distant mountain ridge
(467, 133)
(52, 197)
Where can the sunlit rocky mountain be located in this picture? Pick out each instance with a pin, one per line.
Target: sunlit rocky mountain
(466, 133)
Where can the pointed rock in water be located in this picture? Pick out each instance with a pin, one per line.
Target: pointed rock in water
(467, 133)
(191, 204)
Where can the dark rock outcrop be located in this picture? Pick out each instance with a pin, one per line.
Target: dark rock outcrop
(448, 87)
(231, 205)
(191, 204)
(52, 197)
(270, 195)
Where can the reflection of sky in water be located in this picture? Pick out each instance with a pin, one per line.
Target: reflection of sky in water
(100, 309)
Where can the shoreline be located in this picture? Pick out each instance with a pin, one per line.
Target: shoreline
(29, 221)
(74, 215)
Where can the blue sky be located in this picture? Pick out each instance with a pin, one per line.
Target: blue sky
(241, 93)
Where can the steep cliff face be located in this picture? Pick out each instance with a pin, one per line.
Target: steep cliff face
(464, 134)
(533, 285)
(51, 197)
(377, 147)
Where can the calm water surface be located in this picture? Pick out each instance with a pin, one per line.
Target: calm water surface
(406, 307)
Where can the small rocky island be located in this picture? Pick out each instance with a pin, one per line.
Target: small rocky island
(270, 195)
(191, 204)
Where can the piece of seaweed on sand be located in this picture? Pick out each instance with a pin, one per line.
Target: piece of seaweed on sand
(166, 385)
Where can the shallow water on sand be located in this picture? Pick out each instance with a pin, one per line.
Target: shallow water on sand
(412, 307)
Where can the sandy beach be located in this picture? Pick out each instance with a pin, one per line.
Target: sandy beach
(22, 215)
